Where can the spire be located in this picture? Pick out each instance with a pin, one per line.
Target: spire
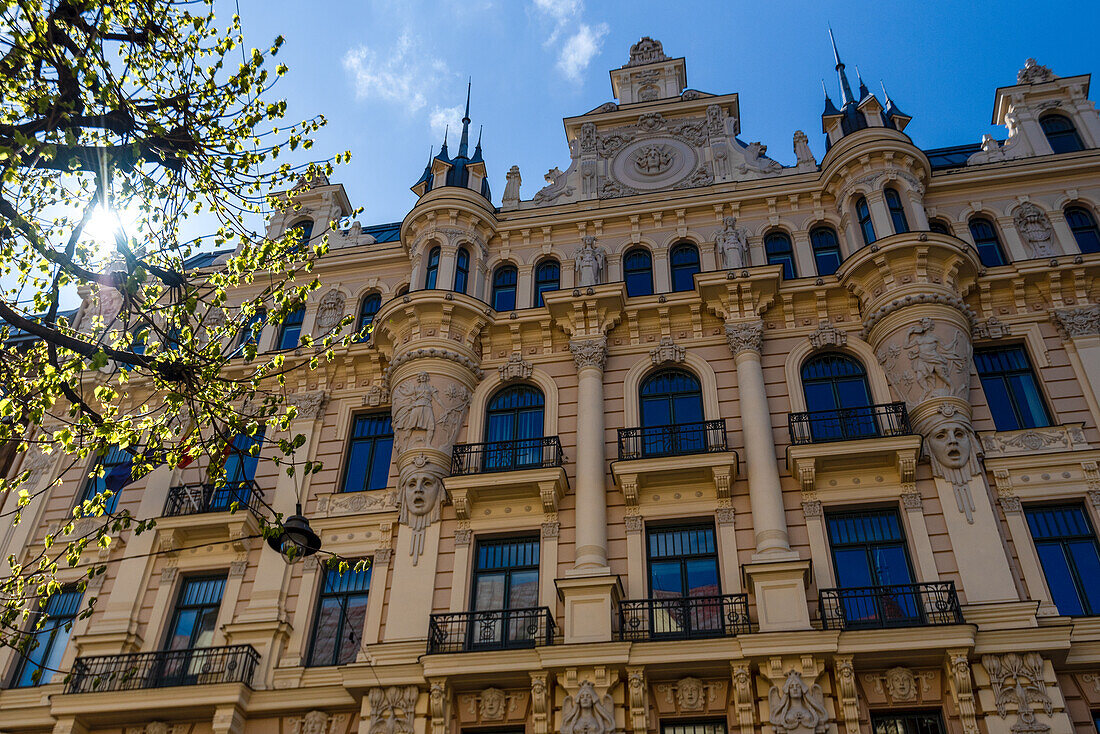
(895, 115)
(443, 149)
(845, 88)
(464, 145)
(830, 108)
(477, 148)
(863, 90)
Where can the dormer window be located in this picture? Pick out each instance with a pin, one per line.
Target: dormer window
(1061, 134)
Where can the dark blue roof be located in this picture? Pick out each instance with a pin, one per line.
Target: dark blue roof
(20, 338)
(205, 259)
(953, 157)
(384, 232)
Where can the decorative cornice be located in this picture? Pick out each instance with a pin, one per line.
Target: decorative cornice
(432, 352)
(912, 300)
(589, 352)
(745, 336)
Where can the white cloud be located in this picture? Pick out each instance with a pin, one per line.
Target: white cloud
(400, 76)
(442, 117)
(579, 49)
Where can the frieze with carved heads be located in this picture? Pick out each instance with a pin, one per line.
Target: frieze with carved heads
(1027, 441)
(319, 722)
(493, 707)
(392, 710)
(901, 686)
(1018, 679)
(690, 696)
(355, 503)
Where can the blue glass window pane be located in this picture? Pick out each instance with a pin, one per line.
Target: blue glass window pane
(240, 463)
(1070, 557)
(684, 263)
(866, 226)
(1083, 226)
(868, 549)
(291, 329)
(504, 288)
(369, 453)
(852, 568)
(304, 234)
(664, 579)
(43, 658)
(826, 249)
(987, 242)
(638, 272)
(547, 278)
(432, 271)
(777, 247)
(1086, 561)
(1011, 388)
(462, 269)
(897, 211)
(671, 397)
(1056, 569)
(341, 612)
(367, 310)
(701, 575)
(1061, 134)
(117, 467)
(252, 330)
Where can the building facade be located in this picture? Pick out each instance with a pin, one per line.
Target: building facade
(688, 442)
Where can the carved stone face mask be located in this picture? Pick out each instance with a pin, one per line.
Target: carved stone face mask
(421, 492)
(950, 443)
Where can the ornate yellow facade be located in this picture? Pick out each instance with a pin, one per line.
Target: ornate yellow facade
(677, 365)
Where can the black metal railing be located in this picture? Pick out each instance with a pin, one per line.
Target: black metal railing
(498, 456)
(193, 499)
(684, 617)
(495, 629)
(849, 424)
(679, 440)
(192, 667)
(903, 605)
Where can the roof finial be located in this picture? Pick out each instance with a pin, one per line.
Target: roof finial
(885, 94)
(863, 90)
(464, 145)
(845, 88)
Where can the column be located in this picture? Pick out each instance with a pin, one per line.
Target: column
(918, 218)
(804, 260)
(880, 215)
(1063, 235)
(525, 287)
(1080, 329)
(590, 356)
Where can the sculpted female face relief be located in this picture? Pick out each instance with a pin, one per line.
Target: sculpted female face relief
(950, 444)
(421, 492)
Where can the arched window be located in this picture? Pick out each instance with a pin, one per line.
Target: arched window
(252, 330)
(547, 278)
(432, 271)
(513, 429)
(462, 269)
(777, 246)
(987, 242)
(684, 262)
(1083, 226)
(866, 226)
(838, 399)
(504, 288)
(305, 233)
(671, 403)
(638, 272)
(897, 211)
(403, 290)
(826, 249)
(367, 310)
(939, 226)
(291, 328)
(1061, 134)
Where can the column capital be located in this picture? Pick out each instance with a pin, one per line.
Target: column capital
(1077, 322)
(591, 352)
(745, 336)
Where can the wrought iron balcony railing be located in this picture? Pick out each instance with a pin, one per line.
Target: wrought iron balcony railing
(684, 617)
(193, 499)
(500, 456)
(849, 424)
(164, 668)
(493, 629)
(878, 607)
(678, 440)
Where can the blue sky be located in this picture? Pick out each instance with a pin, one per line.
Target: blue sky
(389, 73)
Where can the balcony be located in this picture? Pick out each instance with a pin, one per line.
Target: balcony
(506, 456)
(164, 668)
(849, 424)
(197, 499)
(674, 455)
(499, 475)
(881, 607)
(683, 618)
(495, 629)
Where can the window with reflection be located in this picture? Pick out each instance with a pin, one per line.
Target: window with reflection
(117, 471)
(367, 309)
(1011, 388)
(431, 272)
(684, 264)
(671, 402)
(683, 562)
(866, 226)
(290, 331)
(341, 615)
(304, 234)
(826, 249)
(897, 211)
(462, 269)
(777, 247)
(987, 242)
(369, 450)
(1061, 134)
(547, 278)
(638, 272)
(504, 288)
(43, 658)
(506, 581)
(908, 722)
(194, 622)
(513, 428)
(1069, 555)
(253, 328)
(939, 226)
(838, 397)
(1083, 225)
(869, 550)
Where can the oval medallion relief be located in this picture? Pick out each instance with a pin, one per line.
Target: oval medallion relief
(654, 163)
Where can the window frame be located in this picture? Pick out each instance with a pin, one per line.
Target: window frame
(252, 331)
(91, 481)
(431, 268)
(903, 542)
(908, 715)
(866, 223)
(302, 243)
(1005, 378)
(374, 441)
(819, 250)
(672, 526)
(690, 268)
(173, 618)
(1069, 132)
(1075, 574)
(322, 595)
(462, 270)
(991, 244)
(940, 226)
(540, 282)
(476, 571)
(1089, 229)
(503, 289)
(653, 375)
(364, 320)
(784, 257)
(54, 625)
(292, 324)
(638, 274)
(670, 726)
(896, 209)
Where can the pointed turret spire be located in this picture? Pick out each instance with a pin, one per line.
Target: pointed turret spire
(464, 144)
(895, 115)
(845, 88)
(863, 90)
(830, 108)
(477, 148)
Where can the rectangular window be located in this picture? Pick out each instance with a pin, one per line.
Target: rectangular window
(117, 468)
(506, 581)
(239, 469)
(194, 622)
(1010, 388)
(341, 613)
(694, 727)
(915, 722)
(369, 452)
(1070, 556)
(683, 581)
(870, 555)
(43, 657)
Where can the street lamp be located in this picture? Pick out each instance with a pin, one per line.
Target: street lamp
(297, 539)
